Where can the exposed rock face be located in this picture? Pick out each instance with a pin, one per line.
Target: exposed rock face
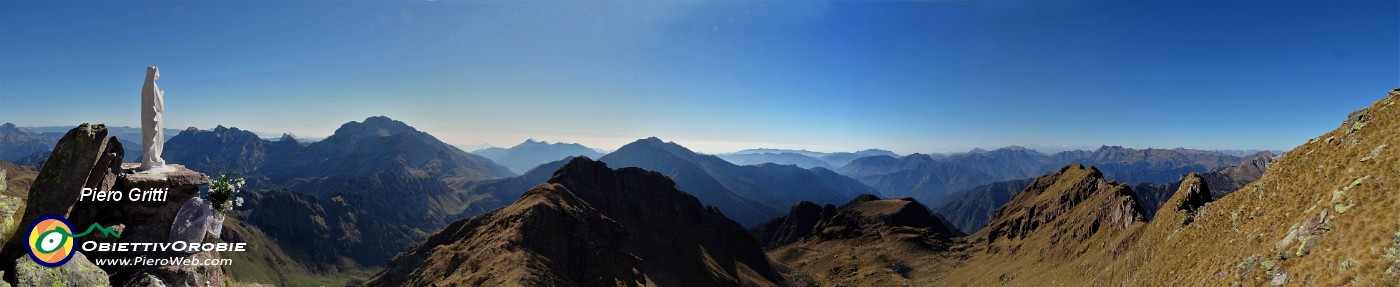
(87, 158)
(146, 221)
(799, 223)
(1191, 197)
(324, 234)
(84, 157)
(1079, 197)
(1235, 177)
(590, 226)
(1322, 214)
(867, 216)
(867, 241)
(79, 271)
(488, 195)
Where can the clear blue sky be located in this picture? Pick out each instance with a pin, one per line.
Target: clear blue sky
(718, 77)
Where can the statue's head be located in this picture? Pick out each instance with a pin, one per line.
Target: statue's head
(152, 72)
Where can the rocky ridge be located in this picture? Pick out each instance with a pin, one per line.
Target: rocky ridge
(590, 225)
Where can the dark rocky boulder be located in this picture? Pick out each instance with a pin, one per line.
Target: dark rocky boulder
(84, 158)
(796, 225)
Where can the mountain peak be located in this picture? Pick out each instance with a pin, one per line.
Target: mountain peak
(1077, 201)
(8, 126)
(375, 126)
(592, 225)
(865, 218)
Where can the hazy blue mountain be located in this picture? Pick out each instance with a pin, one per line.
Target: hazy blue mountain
(917, 175)
(971, 209)
(1005, 163)
(749, 194)
(132, 134)
(778, 150)
(31, 146)
(788, 158)
(840, 159)
(928, 179)
(1133, 166)
(17, 143)
(481, 196)
(531, 153)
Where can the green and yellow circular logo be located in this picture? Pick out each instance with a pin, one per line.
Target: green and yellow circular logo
(51, 241)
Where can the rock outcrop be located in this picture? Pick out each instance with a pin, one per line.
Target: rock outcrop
(799, 223)
(87, 158)
(590, 225)
(1322, 214)
(867, 241)
(1075, 203)
(84, 158)
(867, 217)
(79, 271)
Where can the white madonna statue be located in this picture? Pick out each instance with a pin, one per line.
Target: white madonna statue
(152, 135)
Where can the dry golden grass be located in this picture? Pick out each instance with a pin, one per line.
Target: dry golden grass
(1325, 214)
(1240, 239)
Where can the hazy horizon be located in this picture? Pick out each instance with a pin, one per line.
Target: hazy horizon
(717, 77)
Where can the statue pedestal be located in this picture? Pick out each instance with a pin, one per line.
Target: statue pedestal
(150, 221)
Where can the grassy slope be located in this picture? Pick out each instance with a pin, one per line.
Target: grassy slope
(1343, 227)
(265, 262)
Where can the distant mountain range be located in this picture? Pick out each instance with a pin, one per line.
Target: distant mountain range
(748, 194)
(970, 209)
(801, 158)
(381, 182)
(531, 153)
(31, 146)
(932, 179)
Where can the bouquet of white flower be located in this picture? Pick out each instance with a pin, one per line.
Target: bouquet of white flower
(223, 192)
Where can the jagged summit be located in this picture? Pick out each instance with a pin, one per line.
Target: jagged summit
(1192, 195)
(1074, 203)
(1322, 214)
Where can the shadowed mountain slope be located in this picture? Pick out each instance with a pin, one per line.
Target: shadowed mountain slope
(590, 225)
